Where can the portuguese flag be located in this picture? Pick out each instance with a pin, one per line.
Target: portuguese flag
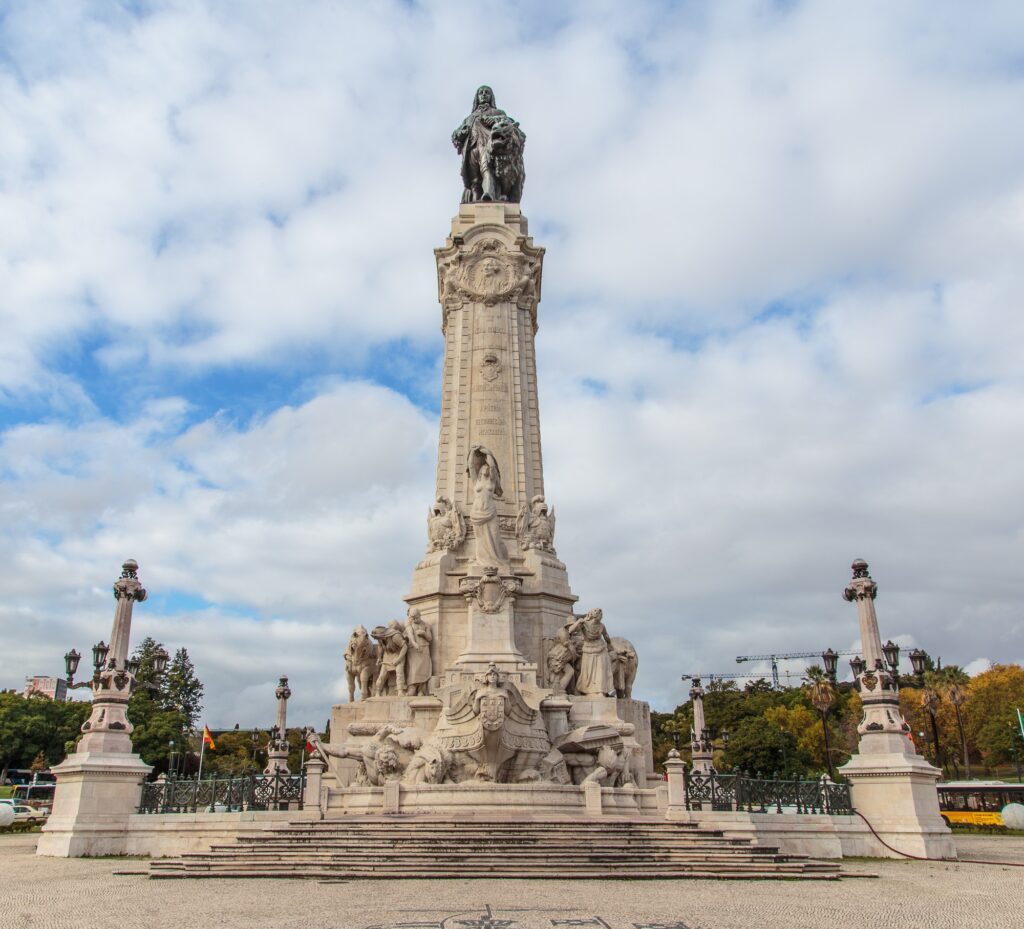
(208, 739)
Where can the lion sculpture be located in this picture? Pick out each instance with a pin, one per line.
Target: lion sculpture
(360, 663)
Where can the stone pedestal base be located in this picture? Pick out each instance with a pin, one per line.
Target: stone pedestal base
(96, 794)
(895, 793)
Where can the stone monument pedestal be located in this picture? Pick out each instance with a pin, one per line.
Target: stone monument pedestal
(96, 794)
(895, 792)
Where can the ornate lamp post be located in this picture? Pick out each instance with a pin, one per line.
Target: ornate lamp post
(98, 784)
(830, 661)
(107, 729)
(277, 747)
(255, 737)
(702, 743)
(917, 662)
(882, 726)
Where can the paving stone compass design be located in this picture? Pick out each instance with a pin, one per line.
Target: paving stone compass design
(489, 917)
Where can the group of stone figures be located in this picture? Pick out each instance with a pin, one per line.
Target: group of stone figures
(487, 733)
(393, 659)
(581, 659)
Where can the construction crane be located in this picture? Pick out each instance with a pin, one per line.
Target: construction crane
(717, 677)
(780, 656)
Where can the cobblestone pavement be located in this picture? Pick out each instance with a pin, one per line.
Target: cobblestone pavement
(80, 893)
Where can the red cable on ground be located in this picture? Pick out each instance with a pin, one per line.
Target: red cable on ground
(1005, 864)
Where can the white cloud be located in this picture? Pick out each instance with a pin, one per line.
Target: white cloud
(198, 191)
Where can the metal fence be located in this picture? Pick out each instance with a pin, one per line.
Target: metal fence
(223, 795)
(737, 792)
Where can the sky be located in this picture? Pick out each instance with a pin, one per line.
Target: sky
(781, 323)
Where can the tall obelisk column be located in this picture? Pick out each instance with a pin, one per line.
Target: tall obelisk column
(490, 586)
(892, 786)
(99, 785)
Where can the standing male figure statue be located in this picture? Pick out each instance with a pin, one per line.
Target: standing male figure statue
(491, 145)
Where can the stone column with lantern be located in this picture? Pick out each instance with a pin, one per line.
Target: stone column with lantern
(277, 747)
(892, 786)
(99, 785)
(701, 746)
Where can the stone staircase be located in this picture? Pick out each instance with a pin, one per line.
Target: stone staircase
(368, 847)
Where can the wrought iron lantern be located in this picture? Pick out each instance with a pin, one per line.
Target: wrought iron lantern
(831, 660)
(892, 654)
(99, 655)
(71, 660)
(160, 660)
(132, 666)
(857, 665)
(917, 660)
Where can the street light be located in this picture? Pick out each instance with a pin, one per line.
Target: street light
(71, 660)
(830, 660)
(99, 655)
(917, 661)
(857, 665)
(892, 655)
(160, 660)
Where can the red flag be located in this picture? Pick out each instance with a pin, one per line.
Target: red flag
(208, 739)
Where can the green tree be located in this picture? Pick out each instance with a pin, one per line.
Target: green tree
(761, 748)
(37, 726)
(184, 689)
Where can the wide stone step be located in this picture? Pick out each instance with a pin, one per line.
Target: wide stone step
(381, 848)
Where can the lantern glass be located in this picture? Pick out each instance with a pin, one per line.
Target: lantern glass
(830, 659)
(99, 654)
(917, 659)
(160, 661)
(892, 653)
(857, 666)
(71, 660)
(132, 665)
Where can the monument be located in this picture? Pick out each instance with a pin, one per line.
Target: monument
(98, 784)
(892, 786)
(491, 678)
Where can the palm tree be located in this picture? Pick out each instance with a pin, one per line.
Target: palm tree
(822, 695)
(952, 680)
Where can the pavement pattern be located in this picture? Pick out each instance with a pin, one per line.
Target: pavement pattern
(56, 893)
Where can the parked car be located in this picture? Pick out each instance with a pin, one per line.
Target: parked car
(23, 813)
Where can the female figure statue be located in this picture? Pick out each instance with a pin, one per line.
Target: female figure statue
(596, 676)
(485, 481)
(417, 659)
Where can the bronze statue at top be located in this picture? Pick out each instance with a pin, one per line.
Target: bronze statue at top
(491, 145)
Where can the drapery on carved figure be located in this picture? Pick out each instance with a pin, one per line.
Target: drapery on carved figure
(418, 636)
(560, 661)
(485, 481)
(535, 526)
(360, 663)
(393, 649)
(491, 145)
(624, 665)
(445, 526)
(595, 676)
